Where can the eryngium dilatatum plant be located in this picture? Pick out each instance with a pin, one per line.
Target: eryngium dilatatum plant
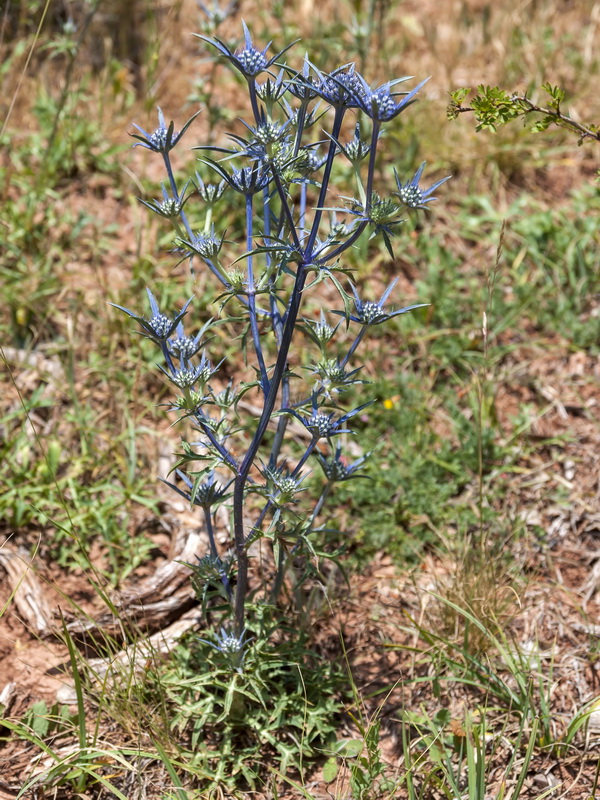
(297, 231)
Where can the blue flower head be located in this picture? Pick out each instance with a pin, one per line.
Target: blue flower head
(356, 149)
(337, 470)
(321, 425)
(170, 207)
(164, 138)
(247, 180)
(182, 346)
(206, 245)
(380, 104)
(373, 312)
(282, 485)
(247, 59)
(159, 327)
(188, 375)
(216, 15)
(272, 90)
(411, 194)
(209, 192)
(204, 493)
(303, 85)
(343, 86)
(230, 646)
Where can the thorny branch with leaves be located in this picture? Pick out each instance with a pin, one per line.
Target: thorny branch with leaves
(493, 106)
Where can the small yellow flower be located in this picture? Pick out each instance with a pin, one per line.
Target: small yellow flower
(388, 404)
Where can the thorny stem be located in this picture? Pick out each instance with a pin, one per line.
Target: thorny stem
(280, 366)
(253, 99)
(348, 243)
(286, 209)
(305, 457)
(244, 469)
(264, 380)
(301, 119)
(371, 169)
(335, 132)
(167, 357)
(302, 207)
(223, 452)
(211, 534)
(321, 501)
(278, 583)
(277, 324)
(213, 549)
(169, 168)
(354, 345)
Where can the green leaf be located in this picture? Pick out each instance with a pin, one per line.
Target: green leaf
(348, 748)
(330, 769)
(39, 720)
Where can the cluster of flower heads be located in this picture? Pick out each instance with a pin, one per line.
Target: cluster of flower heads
(274, 147)
(277, 168)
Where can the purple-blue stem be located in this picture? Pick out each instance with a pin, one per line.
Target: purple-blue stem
(213, 548)
(167, 356)
(371, 170)
(286, 209)
(223, 452)
(277, 325)
(209, 529)
(300, 120)
(280, 365)
(253, 99)
(335, 132)
(354, 345)
(302, 207)
(182, 214)
(264, 380)
(345, 245)
(321, 501)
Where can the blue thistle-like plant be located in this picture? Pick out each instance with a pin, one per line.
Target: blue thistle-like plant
(182, 346)
(216, 14)
(230, 645)
(292, 242)
(342, 87)
(209, 192)
(206, 491)
(188, 375)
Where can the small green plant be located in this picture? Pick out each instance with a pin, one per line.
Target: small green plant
(281, 702)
